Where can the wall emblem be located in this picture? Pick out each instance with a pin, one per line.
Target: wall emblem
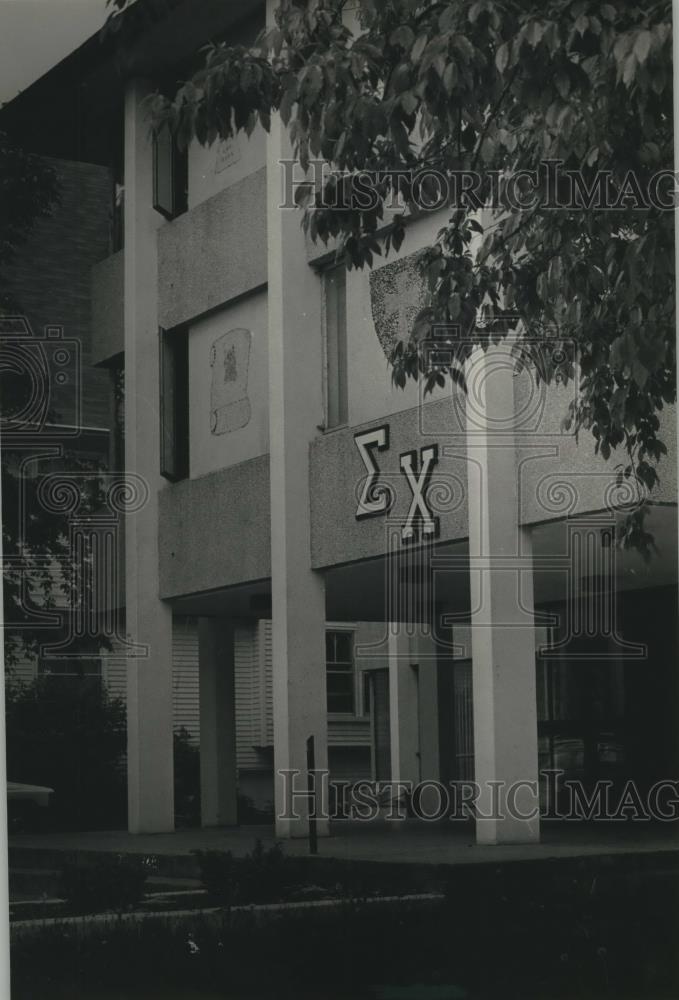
(229, 402)
(398, 293)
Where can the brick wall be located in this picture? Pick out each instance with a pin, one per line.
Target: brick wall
(50, 278)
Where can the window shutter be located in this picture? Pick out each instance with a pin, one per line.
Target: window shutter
(174, 404)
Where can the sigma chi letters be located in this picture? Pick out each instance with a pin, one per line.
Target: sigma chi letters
(378, 489)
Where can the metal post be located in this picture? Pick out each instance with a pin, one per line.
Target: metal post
(311, 786)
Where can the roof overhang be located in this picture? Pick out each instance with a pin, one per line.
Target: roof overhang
(69, 112)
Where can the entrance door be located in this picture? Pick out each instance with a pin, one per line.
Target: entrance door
(456, 721)
(581, 710)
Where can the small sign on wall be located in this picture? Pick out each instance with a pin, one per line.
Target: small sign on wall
(228, 153)
(229, 402)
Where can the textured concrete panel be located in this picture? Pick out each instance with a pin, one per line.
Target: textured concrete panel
(108, 308)
(214, 531)
(338, 476)
(214, 253)
(558, 476)
(562, 477)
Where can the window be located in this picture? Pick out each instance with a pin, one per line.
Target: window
(339, 663)
(170, 175)
(117, 413)
(76, 667)
(174, 404)
(117, 161)
(336, 388)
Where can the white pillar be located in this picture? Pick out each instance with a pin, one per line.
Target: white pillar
(4, 849)
(295, 411)
(503, 632)
(149, 621)
(218, 770)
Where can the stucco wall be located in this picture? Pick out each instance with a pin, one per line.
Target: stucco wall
(561, 476)
(214, 531)
(228, 365)
(214, 168)
(213, 253)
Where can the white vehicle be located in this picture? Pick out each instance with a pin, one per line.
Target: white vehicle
(25, 803)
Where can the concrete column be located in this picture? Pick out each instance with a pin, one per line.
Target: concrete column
(295, 411)
(218, 770)
(149, 621)
(503, 631)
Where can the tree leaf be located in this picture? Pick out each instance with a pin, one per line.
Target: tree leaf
(502, 57)
(642, 46)
(418, 48)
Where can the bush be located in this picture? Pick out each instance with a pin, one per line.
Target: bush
(263, 876)
(186, 779)
(109, 883)
(68, 734)
(218, 875)
(250, 814)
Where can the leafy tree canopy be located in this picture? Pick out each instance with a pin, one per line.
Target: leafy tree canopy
(491, 88)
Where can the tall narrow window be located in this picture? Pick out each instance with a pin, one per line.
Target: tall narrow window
(117, 413)
(170, 175)
(174, 404)
(339, 663)
(117, 161)
(337, 394)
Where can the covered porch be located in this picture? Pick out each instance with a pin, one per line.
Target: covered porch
(602, 682)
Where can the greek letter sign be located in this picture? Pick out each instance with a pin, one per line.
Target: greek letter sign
(378, 490)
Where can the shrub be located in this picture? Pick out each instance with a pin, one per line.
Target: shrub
(250, 814)
(264, 875)
(186, 779)
(109, 883)
(68, 734)
(218, 874)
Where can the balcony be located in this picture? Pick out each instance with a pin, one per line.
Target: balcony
(214, 253)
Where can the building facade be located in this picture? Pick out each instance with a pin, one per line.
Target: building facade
(429, 586)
